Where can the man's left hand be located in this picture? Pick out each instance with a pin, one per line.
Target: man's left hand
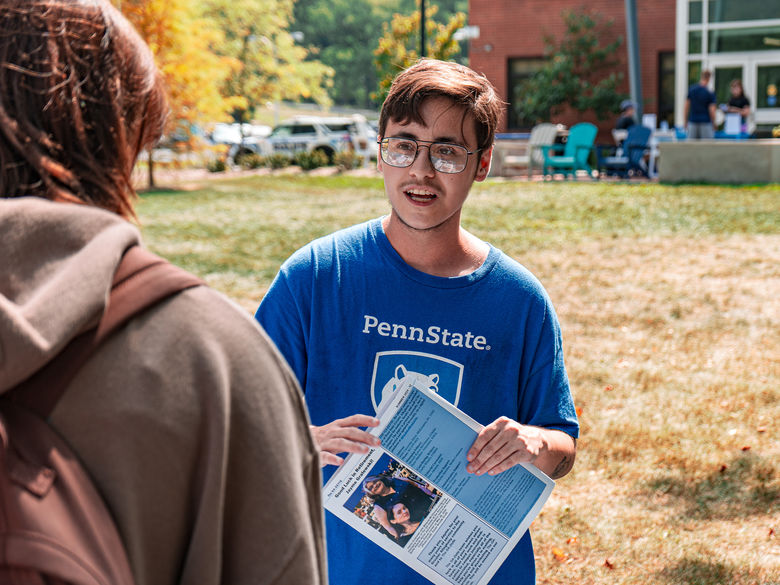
(503, 444)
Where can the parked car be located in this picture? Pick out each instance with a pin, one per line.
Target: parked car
(328, 135)
(224, 133)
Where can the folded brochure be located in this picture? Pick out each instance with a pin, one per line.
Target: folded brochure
(413, 497)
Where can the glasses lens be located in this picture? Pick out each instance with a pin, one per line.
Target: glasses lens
(398, 152)
(445, 158)
(448, 158)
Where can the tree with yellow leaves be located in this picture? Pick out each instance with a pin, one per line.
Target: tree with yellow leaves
(181, 40)
(272, 66)
(398, 47)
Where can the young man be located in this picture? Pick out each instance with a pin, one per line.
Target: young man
(700, 109)
(413, 293)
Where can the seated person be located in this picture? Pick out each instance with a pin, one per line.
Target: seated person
(627, 112)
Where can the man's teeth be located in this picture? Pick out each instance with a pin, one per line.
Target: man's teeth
(420, 194)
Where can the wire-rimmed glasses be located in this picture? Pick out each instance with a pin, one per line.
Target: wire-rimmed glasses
(445, 157)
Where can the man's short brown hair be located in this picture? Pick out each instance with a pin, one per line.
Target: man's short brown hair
(430, 78)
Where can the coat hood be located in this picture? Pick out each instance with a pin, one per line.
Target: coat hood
(56, 268)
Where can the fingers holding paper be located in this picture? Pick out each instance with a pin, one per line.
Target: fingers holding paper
(505, 443)
(344, 435)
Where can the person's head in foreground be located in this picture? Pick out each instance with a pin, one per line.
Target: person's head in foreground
(80, 97)
(436, 133)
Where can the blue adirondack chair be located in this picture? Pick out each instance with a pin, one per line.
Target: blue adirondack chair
(628, 159)
(575, 154)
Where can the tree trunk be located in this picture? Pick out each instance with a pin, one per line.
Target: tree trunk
(151, 168)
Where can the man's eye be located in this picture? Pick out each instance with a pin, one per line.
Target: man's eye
(405, 146)
(445, 150)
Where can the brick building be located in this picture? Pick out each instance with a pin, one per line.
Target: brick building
(677, 38)
(510, 48)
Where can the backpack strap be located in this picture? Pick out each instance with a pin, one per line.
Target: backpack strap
(141, 280)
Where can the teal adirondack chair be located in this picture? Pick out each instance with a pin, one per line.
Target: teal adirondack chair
(575, 153)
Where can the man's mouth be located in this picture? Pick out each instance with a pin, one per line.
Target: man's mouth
(420, 195)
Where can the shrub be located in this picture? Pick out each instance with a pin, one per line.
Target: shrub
(278, 160)
(216, 165)
(311, 160)
(251, 160)
(346, 160)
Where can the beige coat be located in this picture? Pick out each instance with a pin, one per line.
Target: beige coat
(189, 421)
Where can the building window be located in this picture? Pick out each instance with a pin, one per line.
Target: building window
(694, 12)
(768, 79)
(723, 78)
(694, 72)
(743, 39)
(736, 10)
(519, 70)
(694, 42)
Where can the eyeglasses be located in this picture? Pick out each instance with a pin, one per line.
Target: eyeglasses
(444, 157)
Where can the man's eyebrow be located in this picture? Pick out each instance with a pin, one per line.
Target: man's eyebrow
(412, 136)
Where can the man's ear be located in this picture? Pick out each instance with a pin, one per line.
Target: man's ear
(379, 158)
(483, 167)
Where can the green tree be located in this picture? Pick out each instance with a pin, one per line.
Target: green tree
(399, 46)
(272, 66)
(580, 73)
(339, 33)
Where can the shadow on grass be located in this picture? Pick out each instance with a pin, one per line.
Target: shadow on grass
(748, 485)
(698, 572)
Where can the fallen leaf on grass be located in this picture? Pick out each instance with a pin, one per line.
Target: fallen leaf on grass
(572, 540)
(746, 448)
(609, 564)
(558, 553)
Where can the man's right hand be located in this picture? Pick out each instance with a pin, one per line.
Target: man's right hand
(344, 436)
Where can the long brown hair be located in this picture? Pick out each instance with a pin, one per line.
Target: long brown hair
(433, 78)
(80, 97)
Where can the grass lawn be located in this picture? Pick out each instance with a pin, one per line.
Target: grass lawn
(669, 300)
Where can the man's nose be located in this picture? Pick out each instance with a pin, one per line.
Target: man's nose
(422, 164)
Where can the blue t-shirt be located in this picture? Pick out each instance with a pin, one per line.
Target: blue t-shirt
(700, 99)
(352, 318)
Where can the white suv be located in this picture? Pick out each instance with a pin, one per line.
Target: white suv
(309, 133)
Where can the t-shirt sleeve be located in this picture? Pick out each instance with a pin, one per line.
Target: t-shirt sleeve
(280, 314)
(545, 397)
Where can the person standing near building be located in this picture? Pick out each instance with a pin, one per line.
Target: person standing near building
(415, 289)
(700, 109)
(738, 102)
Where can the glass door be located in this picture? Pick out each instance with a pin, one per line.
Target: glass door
(723, 78)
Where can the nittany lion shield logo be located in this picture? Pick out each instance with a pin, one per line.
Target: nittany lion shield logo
(431, 372)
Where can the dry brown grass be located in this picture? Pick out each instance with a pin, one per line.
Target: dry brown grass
(673, 350)
(669, 300)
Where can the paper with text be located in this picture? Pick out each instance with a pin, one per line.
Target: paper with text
(414, 498)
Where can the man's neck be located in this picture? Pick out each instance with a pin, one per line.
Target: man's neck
(447, 250)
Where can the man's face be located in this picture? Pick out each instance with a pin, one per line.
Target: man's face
(421, 197)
